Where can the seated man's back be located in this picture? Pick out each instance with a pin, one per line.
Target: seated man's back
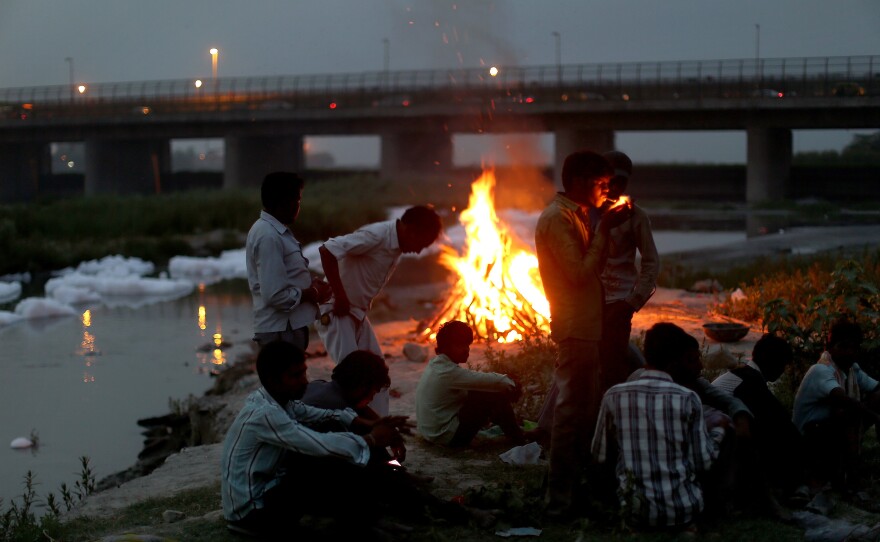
(656, 430)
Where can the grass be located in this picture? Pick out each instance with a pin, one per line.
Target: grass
(516, 491)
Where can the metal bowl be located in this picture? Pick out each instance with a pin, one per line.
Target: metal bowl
(725, 333)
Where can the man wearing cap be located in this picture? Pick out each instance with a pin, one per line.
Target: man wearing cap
(627, 287)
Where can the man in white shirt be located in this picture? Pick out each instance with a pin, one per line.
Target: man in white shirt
(357, 266)
(834, 402)
(284, 293)
(454, 403)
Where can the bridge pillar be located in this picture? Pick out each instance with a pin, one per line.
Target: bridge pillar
(571, 140)
(415, 152)
(250, 158)
(21, 167)
(768, 163)
(129, 166)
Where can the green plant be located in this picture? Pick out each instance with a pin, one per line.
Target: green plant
(19, 523)
(531, 367)
(801, 306)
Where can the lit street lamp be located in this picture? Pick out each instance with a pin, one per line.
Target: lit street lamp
(558, 38)
(214, 54)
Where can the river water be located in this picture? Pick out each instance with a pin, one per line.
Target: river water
(82, 382)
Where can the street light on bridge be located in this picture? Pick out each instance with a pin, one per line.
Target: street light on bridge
(558, 38)
(214, 54)
(82, 89)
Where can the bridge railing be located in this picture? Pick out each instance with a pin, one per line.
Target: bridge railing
(732, 78)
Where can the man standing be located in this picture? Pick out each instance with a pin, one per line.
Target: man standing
(285, 295)
(570, 259)
(357, 266)
(627, 287)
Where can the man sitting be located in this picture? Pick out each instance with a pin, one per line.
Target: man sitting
(264, 488)
(655, 429)
(777, 441)
(454, 403)
(353, 383)
(835, 400)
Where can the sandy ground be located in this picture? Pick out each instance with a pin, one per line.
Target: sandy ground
(397, 318)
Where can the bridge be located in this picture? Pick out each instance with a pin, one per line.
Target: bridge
(127, 126)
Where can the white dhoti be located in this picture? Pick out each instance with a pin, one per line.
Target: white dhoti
(342, 336)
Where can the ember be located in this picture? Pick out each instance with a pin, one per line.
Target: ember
(498, 291)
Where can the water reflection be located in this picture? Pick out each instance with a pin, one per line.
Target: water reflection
(87, 346)
(157, 346)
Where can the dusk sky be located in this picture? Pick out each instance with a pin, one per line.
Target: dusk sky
(123, 40)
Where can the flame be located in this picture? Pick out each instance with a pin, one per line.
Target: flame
(622, 200)
(498, 291)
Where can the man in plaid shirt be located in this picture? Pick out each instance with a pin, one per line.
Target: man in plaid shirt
(653, 430)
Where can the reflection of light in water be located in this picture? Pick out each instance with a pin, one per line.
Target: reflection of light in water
(219, 357)
(88, 378)
(218, 338)
(202, 319)
(88, 343)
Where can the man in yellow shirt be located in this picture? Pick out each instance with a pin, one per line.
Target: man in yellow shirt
(454, 403)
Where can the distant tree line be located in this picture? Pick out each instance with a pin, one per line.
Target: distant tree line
(862, 150)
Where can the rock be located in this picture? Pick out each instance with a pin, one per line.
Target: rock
(415, 352)
(707, 286)
(172, 516)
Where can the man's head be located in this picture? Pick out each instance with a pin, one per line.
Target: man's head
(772, 354)
(418, 228)
(281, 195)
(585, 176)
(281, 367)
(361, 375)
(454, 339)
(622, 166)
(670, 349)
(844, 343)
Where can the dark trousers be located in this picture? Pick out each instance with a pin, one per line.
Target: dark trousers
(574, 420)
(297, 337)
(357, 496)
(614, 346)
(480, 408)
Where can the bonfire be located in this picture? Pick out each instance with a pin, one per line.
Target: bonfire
(497, 289)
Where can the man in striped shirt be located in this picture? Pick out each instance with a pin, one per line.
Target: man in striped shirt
(652, 429)
(264, 487)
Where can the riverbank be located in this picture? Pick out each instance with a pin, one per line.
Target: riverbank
(193, 474)
(195, 471)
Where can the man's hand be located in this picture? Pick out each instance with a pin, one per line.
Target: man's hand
(401, 423)
(341, 306)
(322, 289)
(615, 217)
(383, 435)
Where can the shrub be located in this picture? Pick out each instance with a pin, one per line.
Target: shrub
(531, 368)
(802, 306)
